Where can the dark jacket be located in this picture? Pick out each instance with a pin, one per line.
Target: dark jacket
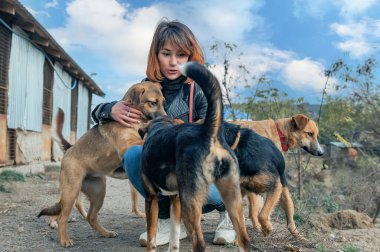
(176, 105)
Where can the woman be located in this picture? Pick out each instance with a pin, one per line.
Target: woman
(173, 44)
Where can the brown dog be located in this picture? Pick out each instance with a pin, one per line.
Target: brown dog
(98, 153)
(298, 131)
(119, 173)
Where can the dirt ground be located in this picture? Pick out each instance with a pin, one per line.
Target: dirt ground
(21, 230)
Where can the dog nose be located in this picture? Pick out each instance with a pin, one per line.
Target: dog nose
(162, 113)
(320, 151)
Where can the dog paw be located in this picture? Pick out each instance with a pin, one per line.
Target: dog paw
(173, 248)
(139, 213)
(266, 228)
(293, 230)
(67, 243)
(111, 234)
(298, 236)
(257, 228)
(53, 225)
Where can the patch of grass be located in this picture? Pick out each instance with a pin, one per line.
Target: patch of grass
(322, 249)
(9, 175)
(230, 246)
(351, 248)
(299, 219)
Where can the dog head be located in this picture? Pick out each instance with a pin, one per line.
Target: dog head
(304, 134)
(148, 98)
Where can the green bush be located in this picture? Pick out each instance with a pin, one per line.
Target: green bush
(351, 248)
(9, 175)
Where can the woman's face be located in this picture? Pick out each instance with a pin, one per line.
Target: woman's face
(169, 59)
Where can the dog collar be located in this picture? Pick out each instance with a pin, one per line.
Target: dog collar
(283, 140)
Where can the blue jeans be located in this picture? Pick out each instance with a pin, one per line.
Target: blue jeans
(131, 164)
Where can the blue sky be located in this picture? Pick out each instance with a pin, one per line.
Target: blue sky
(291, 42)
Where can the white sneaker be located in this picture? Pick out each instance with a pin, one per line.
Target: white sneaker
(225, 232)
(163, 233)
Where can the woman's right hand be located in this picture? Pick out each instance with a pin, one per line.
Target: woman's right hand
(124, 114)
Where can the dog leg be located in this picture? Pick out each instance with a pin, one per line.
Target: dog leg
(287, 205)
(53, 222)
(71, 184)
(265, 213)
(191, 215)
(79, 206)
(231, 195)
(135, 201)
(95, 190)
(253, 203)
(69, 192)
(151, 209)
(175, 217)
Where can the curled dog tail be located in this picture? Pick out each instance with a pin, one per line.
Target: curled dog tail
(57, 131)
(213, 93)
(51, 211)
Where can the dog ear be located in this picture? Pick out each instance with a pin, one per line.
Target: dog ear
(133, 96)
(300, 121)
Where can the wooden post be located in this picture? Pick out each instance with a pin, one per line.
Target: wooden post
(3, 138)
(299, 176)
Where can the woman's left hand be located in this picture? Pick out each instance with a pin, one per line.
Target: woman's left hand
(124, 114)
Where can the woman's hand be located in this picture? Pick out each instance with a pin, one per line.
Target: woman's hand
(124, 114)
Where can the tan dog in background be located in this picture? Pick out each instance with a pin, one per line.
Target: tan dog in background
(298, 131)
(99, 153)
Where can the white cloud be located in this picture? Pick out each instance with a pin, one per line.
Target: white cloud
(315, 9)
(359, 33)
(51, 4)
(37, 13)
(359, 39)
(354, 30)
(350, 8)
(304, 74)
(356, 48)
(346, 9)
(283, 66)
(106, 28)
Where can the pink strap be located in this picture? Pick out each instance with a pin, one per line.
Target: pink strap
(191, 102)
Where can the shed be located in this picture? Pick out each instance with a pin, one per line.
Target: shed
(36, 77)
(337, 150)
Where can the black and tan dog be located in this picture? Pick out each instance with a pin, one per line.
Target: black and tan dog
(119, 173)
(261, 167)
(181, 161)
(98, 153)
(298, 131)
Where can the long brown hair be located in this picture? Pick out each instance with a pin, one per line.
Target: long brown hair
(178, 35)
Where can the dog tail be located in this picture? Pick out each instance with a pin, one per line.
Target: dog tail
(213, 93)
(57, 131)
(51, 211)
